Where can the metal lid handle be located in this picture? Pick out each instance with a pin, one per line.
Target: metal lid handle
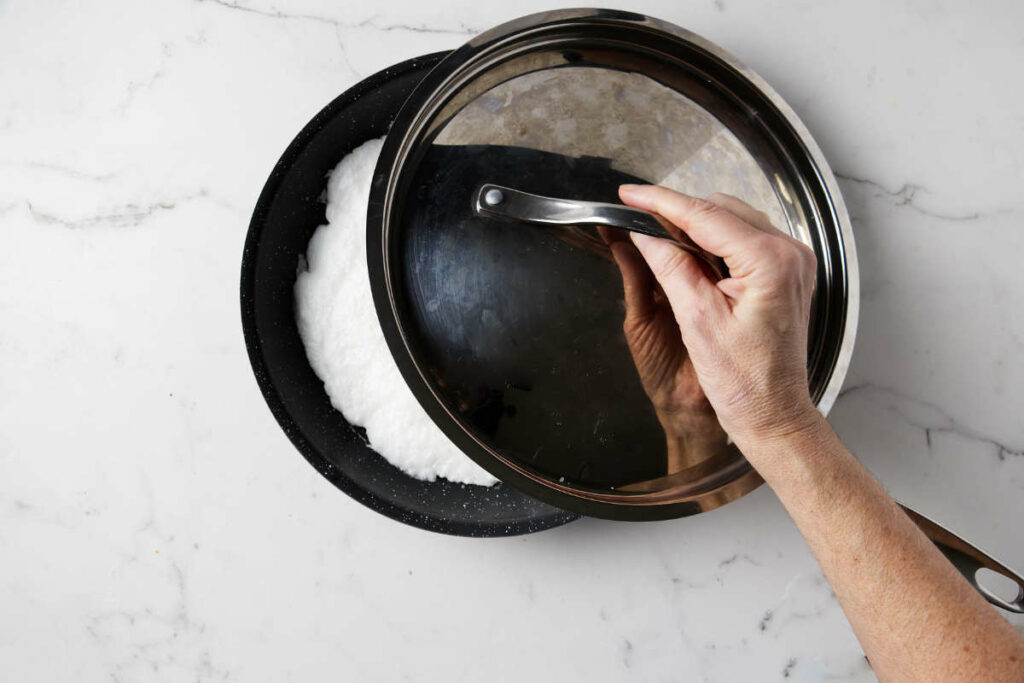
(504, 202)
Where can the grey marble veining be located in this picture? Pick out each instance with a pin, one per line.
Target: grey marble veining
(155, 524)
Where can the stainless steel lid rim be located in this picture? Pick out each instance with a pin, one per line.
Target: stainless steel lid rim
(823, 203)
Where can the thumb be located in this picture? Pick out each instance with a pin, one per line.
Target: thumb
(690, 293)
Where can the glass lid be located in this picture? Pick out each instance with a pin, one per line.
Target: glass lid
(496, 288)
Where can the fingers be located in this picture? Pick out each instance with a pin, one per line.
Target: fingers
(612, 235)
(803, 255)
(743, 211)
(689, 291)
(637, 280)
(711, 227)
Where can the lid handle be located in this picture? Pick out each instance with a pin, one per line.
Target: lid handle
(498, 201)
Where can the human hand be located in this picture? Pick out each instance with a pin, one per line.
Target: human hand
(746, 340)
(666, 372)
(745, 336)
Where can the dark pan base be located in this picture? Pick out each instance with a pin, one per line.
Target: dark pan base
(288, 211)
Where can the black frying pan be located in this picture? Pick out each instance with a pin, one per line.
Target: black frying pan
(287, 213)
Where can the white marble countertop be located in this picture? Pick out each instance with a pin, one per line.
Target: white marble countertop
(156, 524)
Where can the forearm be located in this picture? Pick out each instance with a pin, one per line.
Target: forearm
(915, 616)
(745, 337)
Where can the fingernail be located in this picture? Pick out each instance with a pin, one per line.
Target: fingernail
(628, 188)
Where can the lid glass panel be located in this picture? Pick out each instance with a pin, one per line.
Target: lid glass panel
(518, 330)
(520, 327)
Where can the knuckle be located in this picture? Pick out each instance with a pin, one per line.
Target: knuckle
(806, 253)
(720, 197)
(808, 260)
(796, 256)
(672, 264)
(666, 265)
(793, 260)
(777, 249)
(768, 244)
(704, 210)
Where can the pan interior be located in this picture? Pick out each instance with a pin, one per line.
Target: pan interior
(285, 218)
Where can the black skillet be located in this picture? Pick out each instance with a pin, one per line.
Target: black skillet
(479, 381)
(287, 213)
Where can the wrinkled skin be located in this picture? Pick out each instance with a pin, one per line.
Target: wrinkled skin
(743, 338)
